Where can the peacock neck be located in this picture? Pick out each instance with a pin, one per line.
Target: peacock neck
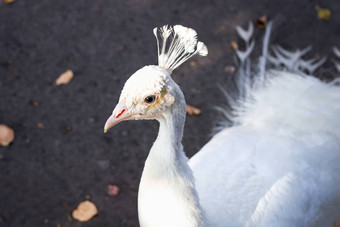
(167, 185)
(166, 158)
(167, 148)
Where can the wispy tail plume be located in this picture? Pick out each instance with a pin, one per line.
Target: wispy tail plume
(293, 61)
(249, 80)
(176, 44)
(337, 54)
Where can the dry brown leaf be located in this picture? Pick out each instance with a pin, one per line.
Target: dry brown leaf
(65, 78)
(88, 197)
(192, 63)
(35, 103)
(9, 1)
(223, 28)
(112, 190)
(234, 45)
(41, 125)
(15, 72)
(192, 111)
(336, 223)
(323, 13)
(85, 211)
(6, 135)
(262, 22)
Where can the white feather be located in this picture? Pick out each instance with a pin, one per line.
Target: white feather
(176, 45)
(263, 59)
(336, 51)
(337, 65)
(243, 55)
(245, 34)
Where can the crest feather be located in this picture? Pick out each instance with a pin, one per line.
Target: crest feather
(176, 44)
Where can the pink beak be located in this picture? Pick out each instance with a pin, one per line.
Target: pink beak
(120, 113)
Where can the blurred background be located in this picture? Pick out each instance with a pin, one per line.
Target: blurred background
(60, 155)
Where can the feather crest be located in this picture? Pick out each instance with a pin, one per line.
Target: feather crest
(176, 44)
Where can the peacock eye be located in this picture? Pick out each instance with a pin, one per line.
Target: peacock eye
(150, 99)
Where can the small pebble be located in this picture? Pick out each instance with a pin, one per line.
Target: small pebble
(112, 190)
(230, 69)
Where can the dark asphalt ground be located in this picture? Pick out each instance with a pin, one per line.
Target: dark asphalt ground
(48, 170)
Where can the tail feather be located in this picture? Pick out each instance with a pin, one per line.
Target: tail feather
(293, 62)
(246, 35)
(280, 91)
(263, 59)
(336, 52)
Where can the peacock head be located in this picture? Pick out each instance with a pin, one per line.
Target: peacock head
(150, 92)
(147, 94)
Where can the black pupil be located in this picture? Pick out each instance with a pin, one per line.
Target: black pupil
(150, 99)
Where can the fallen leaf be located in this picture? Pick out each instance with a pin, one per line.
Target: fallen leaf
(336, 223)
(192, 111)
(65, 78)
(223, 28)
(85, 211)
(262, 22)
(192, 63)
(41, 125)
(9, 1)
(68, 128)
(35, 103)
(112, 190)
(6, 135)
(15, 72)
(323, 13)
(234, 45)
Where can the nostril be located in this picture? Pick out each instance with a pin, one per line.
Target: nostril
(118, 115)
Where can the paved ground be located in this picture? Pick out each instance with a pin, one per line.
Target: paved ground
(49, 169)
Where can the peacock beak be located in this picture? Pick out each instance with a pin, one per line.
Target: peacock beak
(120, 113)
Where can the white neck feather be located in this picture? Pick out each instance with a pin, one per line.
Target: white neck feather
(167, 195)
